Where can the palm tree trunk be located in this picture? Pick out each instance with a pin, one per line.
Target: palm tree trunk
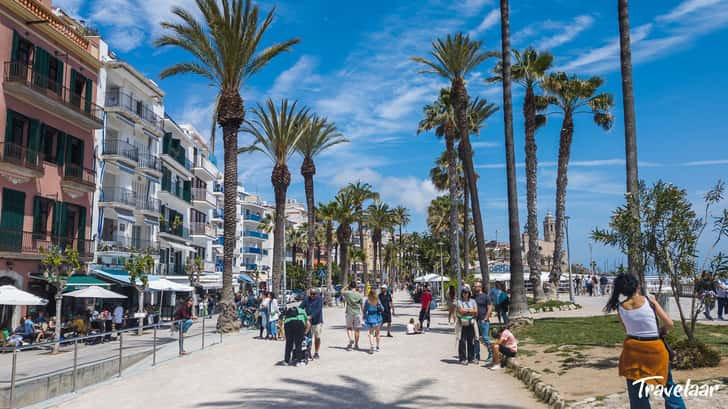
(308, 169)
(529, 112)
(374, 260)
(519, 306)
(460, 96)
(360, 226)
(630, 139)
(567, 132)
(280, 178)
(329, 258)
(230, 116)
(401, 254)
(454, 222)
(466, 231)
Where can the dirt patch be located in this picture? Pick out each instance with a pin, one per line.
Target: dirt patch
(579, 372)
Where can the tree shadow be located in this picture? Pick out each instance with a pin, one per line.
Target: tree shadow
(354, 393)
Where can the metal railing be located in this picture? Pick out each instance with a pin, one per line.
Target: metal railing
(183, 232)
(256, 234)
(252, 216)
(203, 195)
(79, 174)
(118, 195)
(199, 228)
(150, 161)
(117, 98)
(122, 337)
(201, 162)
(51, 88)
(127, 245)
(149, 204)
(21, 156)
(26, 242)
(121, 148)
(255, 250)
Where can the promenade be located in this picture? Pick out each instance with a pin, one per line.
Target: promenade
(410, 372)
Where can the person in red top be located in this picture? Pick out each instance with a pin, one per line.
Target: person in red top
(425, 301)
(184, 317)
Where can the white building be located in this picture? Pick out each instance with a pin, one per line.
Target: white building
(127, 210)
(254, 246)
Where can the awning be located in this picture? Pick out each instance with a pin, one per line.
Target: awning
(163, 284)
(125, 215)
(177, 246)
(116, 275)
(246, 278)
(77, 281)
(151, 222)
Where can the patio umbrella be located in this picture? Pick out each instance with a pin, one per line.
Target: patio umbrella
(94, 291)
(163, 285)
(10, 295)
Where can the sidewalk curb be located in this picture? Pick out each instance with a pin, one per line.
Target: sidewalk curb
(532, 379)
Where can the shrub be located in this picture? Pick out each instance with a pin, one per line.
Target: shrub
(689, 355)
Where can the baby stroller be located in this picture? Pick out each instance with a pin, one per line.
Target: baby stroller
(306, 347)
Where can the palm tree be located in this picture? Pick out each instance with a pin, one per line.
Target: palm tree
(327, 214)
(635, 264)
(529, 69)
(570, 94)
(345, 215)
(296, 238)
(438, 216)
(453, 59)
(276, 131)
(519, 305)
(360, 193)
(318, 136)
(379, 218)
(224, 47)
(402, 217)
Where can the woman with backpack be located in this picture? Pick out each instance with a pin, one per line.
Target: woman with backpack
(501, 301)
(373, 318)
(466, 330)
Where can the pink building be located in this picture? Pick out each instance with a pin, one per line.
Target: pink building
(47, 120)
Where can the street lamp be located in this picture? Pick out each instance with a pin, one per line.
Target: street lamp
(568, 260)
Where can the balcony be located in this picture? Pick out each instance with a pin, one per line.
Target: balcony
(252, 217)
(37, 89)
(175, 154)
(136, 109)
(117, 196)
(218, 214)
(28, 245)
(202, 198)
(255, 234)
(78, 180)
(202, 229)
(148, 205)
(123, 244)
(204, 169)
(116, 149)
(150, 163)
(217, 189)
(219, 242)
(181, 232)
(18, 163)
(175, 190)
(255, 250)
(250, 267)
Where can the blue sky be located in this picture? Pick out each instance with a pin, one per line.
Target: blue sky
(352, 66)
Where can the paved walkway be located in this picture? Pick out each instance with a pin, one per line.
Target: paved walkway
(410, 371)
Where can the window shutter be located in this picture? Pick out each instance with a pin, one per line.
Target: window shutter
(11, 220)
(9, 126)
(36, 214)
(89, 94)
(82, 230)
(187, 190)
(61, 149)
(63, 222)
(75, 99)
(33, 140)
(59, 78)
(16, 40)
(40, 67)
(55, 223)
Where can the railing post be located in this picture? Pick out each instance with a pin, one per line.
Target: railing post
(75, 364)
(181, 340)
(154, 345)
(203, 332)
(12, 378)
(121, 346)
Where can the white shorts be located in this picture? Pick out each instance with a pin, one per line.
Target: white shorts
(317, 330)
(353, 321)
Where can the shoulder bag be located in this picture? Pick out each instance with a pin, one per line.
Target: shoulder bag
(663, 337)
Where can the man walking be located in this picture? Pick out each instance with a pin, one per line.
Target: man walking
(485, 308)
(385, 298)
(314, 305)
(184, 318)
(295, 325)
(425, 301)
(353, 299)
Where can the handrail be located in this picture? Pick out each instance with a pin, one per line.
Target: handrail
(118, 98)
(20, 155)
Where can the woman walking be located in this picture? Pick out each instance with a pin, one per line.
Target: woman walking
(645, 353)
(263, 315)
(465, 328)
(373, 318)
(273, 316)
(451, 304)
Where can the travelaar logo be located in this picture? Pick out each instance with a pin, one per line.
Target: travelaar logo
(688, 390)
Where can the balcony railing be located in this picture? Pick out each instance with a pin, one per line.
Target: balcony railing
(255, 250)
(218, 213)
(21, 156)
(150, 161)
(202, 195)
(180, 231)
(251, 267)
(255, 234)
(177, 190)
(220, 241)
(252, 216)
(217, 188)
(148, 204)
(118, 195)
(198, 228)
(40, 82)
(205, 164)
(128, 245)
(25, 242)
(121, 148)
(79, 174)
(118, 98)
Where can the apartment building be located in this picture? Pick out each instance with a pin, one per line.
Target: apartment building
(254, 241)
(48, 115)
(130, 169)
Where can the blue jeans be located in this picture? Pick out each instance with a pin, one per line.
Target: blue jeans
(637, 402)
(722, 306)
(273, 328)
(484, 328)
(183, 326)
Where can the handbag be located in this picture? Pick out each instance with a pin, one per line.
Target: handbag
(466, 321)
(433, 305)
(663, 337)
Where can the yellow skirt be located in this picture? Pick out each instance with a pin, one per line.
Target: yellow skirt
(643, 359)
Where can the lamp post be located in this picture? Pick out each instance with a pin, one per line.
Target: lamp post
(568, 260)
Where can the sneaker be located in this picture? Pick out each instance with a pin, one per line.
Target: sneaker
(464, 363)
(473, 362)
(301, 363)
(377, 348)
(348, 347)
(371, 351)
(316, 356)
(495, 367)
(356, 346)
(389, 336)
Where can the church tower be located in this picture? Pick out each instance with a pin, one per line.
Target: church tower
(549, 228)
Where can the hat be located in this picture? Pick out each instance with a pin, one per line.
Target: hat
(466, 288)
(384, 286)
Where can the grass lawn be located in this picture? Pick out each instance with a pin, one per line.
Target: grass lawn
(546, 304)
(607, 331)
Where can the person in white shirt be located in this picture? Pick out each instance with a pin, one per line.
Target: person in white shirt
(118, 318)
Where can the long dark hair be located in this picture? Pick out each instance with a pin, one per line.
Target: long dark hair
(624, 284)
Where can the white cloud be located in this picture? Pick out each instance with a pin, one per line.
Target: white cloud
(610, 51)
(403, 103)
(71, 7)
(300, 77)
(594, 163)
(685, 8)
(489, 21)
(470, 7)
(485, 144)
(568, 32)
(706, 162)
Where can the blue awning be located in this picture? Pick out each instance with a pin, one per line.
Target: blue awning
(246, 278)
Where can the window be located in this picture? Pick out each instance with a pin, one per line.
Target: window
(54, 73)
(18, 129)
(24, 53)
(50, 138)
(41, 215)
